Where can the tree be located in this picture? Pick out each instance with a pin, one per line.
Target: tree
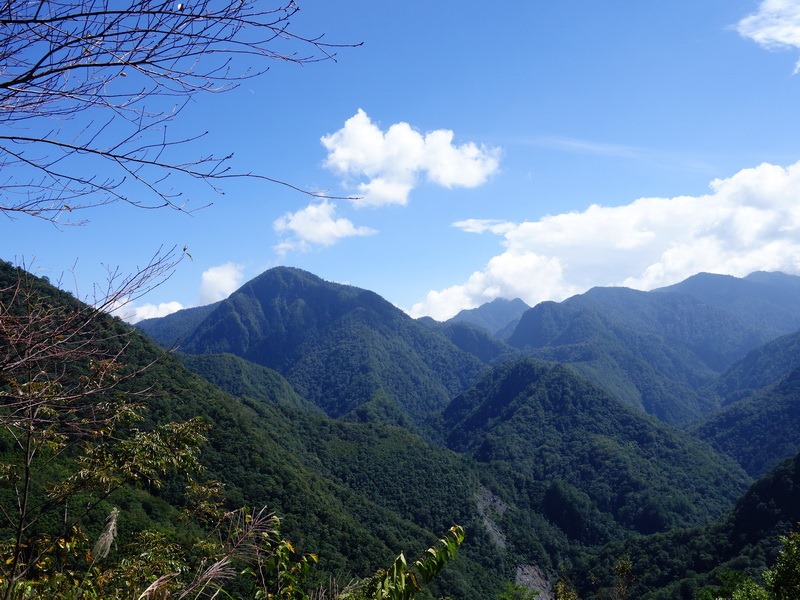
(71, 444)
(402, 581)
(780, 582)
(68, 422)
(88, 89)
(515, 591)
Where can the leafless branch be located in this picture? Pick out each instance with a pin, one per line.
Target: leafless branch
(88, 88)
(57, 360)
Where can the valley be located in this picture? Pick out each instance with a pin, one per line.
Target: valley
(610, 416)
(659, 428)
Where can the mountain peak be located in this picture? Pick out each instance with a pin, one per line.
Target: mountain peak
(494, 316)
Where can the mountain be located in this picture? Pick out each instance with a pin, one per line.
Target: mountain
(758, 424)
(655, 351)
(494, 316)
(546, 470)
(474, 339)
(770, 301)
(608, 465)
(241, 378)
(678, 564)
(355, 493)
(343, 348)
(761, 430)
(759, 369)
(172, 330)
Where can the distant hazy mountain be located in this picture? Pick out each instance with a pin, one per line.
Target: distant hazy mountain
(474, 339)
(493, 316)
(172, 330)
(346, 349)
(770, 301)
(654, 350)
(759, 422)
(762, 367)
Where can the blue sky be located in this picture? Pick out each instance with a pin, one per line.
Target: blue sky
(530, 149)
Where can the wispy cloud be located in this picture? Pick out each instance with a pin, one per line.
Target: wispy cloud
(775, 25)
(217, 283)
(569, 144)
(316, 224)
(394, 161)
(748, 222)
(639, 154)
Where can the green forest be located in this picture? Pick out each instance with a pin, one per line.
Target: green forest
(239, 483)
(308, 440)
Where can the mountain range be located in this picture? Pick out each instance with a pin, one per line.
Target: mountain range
(560, 436)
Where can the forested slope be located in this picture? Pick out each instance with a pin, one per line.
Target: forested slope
(655, 351)
(545, 463)
(759, 431)
(343, 348)
(678, 564)
(608, 465)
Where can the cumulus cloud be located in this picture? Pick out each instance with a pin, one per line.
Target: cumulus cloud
(217, 283)
(131, 313)
(152, 311)
(748, 222)
(316, 224)
(775, 25)
(394, 161)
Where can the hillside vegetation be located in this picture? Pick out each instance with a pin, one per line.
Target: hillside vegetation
(369, 433)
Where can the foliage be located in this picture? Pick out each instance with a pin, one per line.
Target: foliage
(69, 458)
(780, 582)
(609, 465)
(680, 563)
(761, 430)
(249, 559)
(513, 591)
(401, 581)
(70, 438)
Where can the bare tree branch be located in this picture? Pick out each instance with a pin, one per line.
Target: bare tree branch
(87, 89)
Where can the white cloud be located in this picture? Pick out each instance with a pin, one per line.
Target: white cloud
(775, 25)
(316, 224)
(393, 161)
(152, 311)
(484, 225)
(217, 283)
(748, 222)
(131, 313)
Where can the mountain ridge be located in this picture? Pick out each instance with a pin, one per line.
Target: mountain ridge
(340, 346)
(561, 463)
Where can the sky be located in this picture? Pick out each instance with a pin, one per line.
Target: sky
(470, 151)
